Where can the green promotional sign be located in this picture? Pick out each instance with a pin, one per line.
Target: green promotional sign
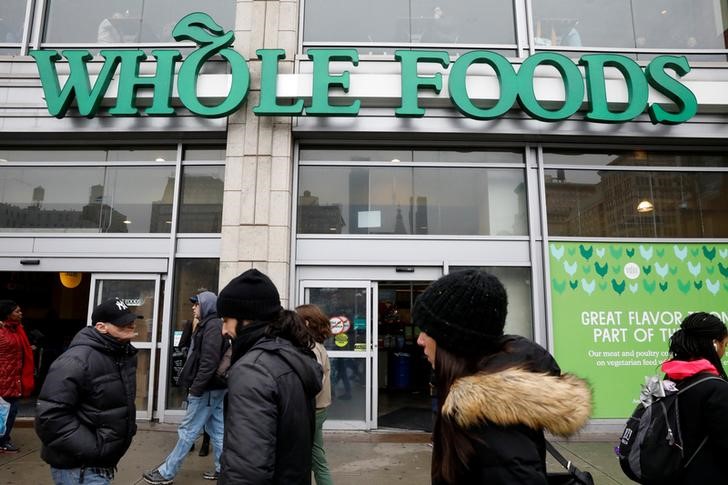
(615, 306)
(516, 86)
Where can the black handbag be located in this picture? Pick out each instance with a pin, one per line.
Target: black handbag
(572, 476)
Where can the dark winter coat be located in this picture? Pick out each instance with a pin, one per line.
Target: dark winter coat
(207, 348)
(85, 414)
(270, 417)
(704, 412)
(507, 411)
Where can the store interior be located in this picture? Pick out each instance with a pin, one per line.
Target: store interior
(404, 375)
(54, 307)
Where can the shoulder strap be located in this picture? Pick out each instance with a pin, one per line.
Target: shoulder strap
(693, 384)
(702, 443)
(559, 457)
(579, 476)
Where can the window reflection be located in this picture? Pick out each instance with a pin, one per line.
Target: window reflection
(96, 199)
(638, 158)
(665, 24)
(405, 21)
(122, 21)
(604, 203)
(12, 18)
(201, 199)
(411, 200)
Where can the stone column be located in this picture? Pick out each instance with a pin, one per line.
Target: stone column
(256, 220)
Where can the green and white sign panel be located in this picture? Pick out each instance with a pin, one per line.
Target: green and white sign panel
(615, 306)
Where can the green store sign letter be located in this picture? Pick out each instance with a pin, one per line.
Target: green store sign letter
(516, 86)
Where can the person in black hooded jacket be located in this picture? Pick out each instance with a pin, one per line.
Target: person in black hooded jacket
(272, 386)
(497, 393)
(85, 415)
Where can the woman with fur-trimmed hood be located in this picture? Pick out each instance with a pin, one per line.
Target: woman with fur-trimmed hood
(498, 393)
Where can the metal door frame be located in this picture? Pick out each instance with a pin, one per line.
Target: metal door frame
(153, 345)
(370, 354)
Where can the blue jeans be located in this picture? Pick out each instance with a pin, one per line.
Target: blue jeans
(12, 413)
(72, 476)
(204, 412)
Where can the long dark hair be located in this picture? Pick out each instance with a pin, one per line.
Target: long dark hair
(317, 321)
(455, 446)
(290, 326)
(698, 332)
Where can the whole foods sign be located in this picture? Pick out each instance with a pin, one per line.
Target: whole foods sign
(516, 87)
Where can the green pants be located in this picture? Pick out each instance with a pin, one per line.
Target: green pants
(319, 466)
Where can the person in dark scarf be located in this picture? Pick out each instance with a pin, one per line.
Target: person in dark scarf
(272, 385)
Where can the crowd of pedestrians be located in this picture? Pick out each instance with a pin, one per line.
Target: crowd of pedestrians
(258, 383)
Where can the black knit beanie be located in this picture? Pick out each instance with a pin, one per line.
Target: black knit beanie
(249, 296)
(464, 311)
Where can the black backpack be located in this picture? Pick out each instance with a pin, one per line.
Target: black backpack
(651, 449)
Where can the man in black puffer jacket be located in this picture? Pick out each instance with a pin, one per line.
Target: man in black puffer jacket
(85, 415)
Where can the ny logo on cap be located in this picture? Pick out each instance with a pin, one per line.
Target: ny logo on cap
(121, 305)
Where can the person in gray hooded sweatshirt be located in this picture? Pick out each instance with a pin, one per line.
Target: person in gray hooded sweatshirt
(206, 392)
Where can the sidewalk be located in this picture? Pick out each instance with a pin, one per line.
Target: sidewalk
(355, 458)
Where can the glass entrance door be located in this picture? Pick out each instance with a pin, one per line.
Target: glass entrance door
(351, 349)
(140, 292)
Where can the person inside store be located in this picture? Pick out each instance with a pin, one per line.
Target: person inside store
(206, 393)
(319, 325)
(16, 366)
(696, 350)
(272, 385)
(497, 393)
(440, 28)
(85, 414)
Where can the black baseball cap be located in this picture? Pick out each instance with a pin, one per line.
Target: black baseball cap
(113, 311)
(194, 299)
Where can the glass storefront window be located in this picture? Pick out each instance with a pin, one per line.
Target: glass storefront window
(191, 276)
(205, 153)
(664, 24)
(517, 282)
(409, 21)
(158, 154)
(12, 18)
(122, 21)
(95, 199)
(411, 200)
(612, 203)
(201, 199)
(355, 155)
(163, 154)
(636, 158)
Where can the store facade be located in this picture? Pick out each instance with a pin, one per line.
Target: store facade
(536, 139)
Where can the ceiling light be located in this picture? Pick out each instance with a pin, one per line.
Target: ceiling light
(127, 221)
(395, 160)
(70, 280)
(159, 159)
(645, 206)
